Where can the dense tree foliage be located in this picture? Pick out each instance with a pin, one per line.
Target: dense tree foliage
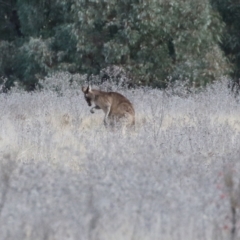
(153, 41)
(230, 13)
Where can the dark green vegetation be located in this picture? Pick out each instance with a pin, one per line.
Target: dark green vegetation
(153, 41)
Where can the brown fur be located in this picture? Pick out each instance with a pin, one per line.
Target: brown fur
(117, 108)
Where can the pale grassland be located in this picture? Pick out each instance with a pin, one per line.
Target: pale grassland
(64, 176)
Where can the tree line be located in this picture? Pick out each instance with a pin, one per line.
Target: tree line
(154, 41)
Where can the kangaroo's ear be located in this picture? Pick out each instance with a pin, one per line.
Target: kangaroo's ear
(89, 89)
(84, 89)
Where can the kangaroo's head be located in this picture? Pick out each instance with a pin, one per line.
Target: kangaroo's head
(88, 94)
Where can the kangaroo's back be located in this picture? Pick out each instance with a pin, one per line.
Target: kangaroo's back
(122, 108)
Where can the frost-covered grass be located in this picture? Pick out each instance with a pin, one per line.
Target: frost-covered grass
(64, 176)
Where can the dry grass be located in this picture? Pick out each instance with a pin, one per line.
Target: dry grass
(64, 176)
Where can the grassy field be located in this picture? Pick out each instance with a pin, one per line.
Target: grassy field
(64, 176)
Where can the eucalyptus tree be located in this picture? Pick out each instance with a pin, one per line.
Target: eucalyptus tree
(151, 39)
(230, 13)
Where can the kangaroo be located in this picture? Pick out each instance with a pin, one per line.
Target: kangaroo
(117, 108)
